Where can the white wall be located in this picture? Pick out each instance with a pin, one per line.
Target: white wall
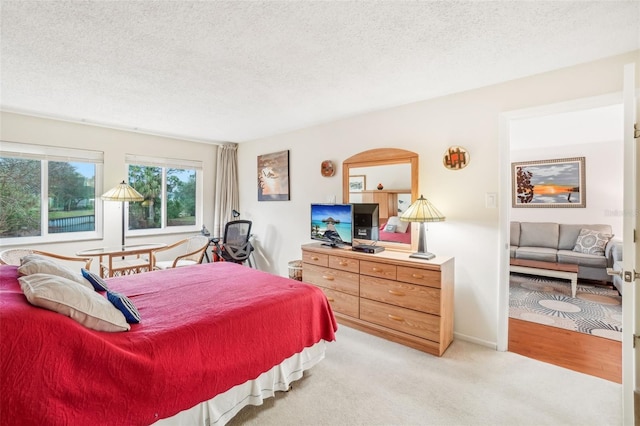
(603, 181)
(115, 144)
(471, 232)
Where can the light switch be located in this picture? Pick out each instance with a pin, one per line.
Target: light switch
(491, 200)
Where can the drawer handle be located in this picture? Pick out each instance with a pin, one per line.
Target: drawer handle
(396, 293)
(343, 263)
(395, 318)
(328, 277)
(315, 258)
(331, 299)
(374, 269)
(420, 276)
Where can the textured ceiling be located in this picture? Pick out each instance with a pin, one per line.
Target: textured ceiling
(240, 70)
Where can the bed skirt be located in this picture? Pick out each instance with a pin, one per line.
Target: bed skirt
(222, 408)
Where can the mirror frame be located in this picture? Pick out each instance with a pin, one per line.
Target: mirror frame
(383, 157)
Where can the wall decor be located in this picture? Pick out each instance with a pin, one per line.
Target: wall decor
(357, 183)
(327, 169)
(456, 158)
(273, 176)
(549, 183)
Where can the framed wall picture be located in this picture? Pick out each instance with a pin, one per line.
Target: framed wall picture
(357, 183)
(549, 183)
(273, 176)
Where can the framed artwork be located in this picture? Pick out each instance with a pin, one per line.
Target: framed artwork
(357, 183)
(548, 183)
(273, 176)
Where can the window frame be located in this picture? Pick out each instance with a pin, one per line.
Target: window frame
(164, 164)
(46, 154)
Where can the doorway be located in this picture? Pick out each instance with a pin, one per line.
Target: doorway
(590, 128)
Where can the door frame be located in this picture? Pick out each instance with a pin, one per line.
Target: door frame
(505, 190)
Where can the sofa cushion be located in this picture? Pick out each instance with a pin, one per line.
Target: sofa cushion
(581, 259)
(543, 234)
(569, 234)
(514, 233)
(592, 242)
(512, 251)
(537, 253)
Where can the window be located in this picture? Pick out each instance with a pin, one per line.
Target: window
(171, 191)
(48, 193)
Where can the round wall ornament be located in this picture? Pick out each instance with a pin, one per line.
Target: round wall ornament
(327, 169)
(456, 158)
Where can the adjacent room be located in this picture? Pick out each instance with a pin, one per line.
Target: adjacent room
(317, 212)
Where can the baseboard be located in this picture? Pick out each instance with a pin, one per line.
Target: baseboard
(471, 339)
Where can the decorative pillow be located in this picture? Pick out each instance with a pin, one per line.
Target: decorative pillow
(98, 283)
(390, 228)
(592, 242)
(38, 265)
(69, 298)
(124, 305)
(401, 226)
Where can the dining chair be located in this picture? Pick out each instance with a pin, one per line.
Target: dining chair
(190, 252)
(13, 257)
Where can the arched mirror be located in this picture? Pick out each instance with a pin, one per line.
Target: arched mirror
(388, 177)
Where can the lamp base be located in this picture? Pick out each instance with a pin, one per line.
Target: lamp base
(423, 255)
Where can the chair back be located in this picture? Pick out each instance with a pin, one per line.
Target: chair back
(13, 257)
(197, 246)
(237, 233)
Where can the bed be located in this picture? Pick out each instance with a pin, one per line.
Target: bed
(399, 232)
(212, 339)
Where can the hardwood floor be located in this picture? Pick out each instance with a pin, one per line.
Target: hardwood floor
(580, 352)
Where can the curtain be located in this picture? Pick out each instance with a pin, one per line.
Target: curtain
(226, 196)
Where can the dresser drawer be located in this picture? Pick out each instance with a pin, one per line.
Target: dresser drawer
(315, 258)
(375, 269)
(419, 276)
(406, 295)
(343, 303)
(407, 321)
(344, 264)
(331, 278)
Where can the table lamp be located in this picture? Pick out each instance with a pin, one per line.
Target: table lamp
(123, 193)
(422, 211)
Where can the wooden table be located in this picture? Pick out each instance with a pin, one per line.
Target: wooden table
(565, 271)
(117, 261)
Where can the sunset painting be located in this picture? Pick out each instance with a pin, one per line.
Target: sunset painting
(549, 183)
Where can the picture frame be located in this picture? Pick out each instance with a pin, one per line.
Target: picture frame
(357, 183)
(549, 183)
(273, 176)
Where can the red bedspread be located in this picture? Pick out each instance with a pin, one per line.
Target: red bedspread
(204, 330)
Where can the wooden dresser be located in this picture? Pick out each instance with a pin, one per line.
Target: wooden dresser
(408, 301)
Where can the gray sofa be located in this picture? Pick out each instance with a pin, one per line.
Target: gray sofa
(554, 242)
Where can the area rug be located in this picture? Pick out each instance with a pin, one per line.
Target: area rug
(595, 310)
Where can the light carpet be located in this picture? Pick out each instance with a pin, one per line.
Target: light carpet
(366, 380)
(595, 310)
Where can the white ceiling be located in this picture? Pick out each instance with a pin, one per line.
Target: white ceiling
(240, 70)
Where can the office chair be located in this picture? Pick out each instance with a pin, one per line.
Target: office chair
(235, 246)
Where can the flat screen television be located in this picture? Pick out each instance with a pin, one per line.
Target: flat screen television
(366, 221)
(332, 224)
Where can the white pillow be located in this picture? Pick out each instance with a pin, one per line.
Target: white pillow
(40, 265)
(401, 226)
(69, 298)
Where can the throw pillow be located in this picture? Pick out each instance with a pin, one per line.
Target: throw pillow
(98, 283)
(401, 226)
(592, 242)
(124, 305)
(40, 265)
(390, 228)
(69, 298)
